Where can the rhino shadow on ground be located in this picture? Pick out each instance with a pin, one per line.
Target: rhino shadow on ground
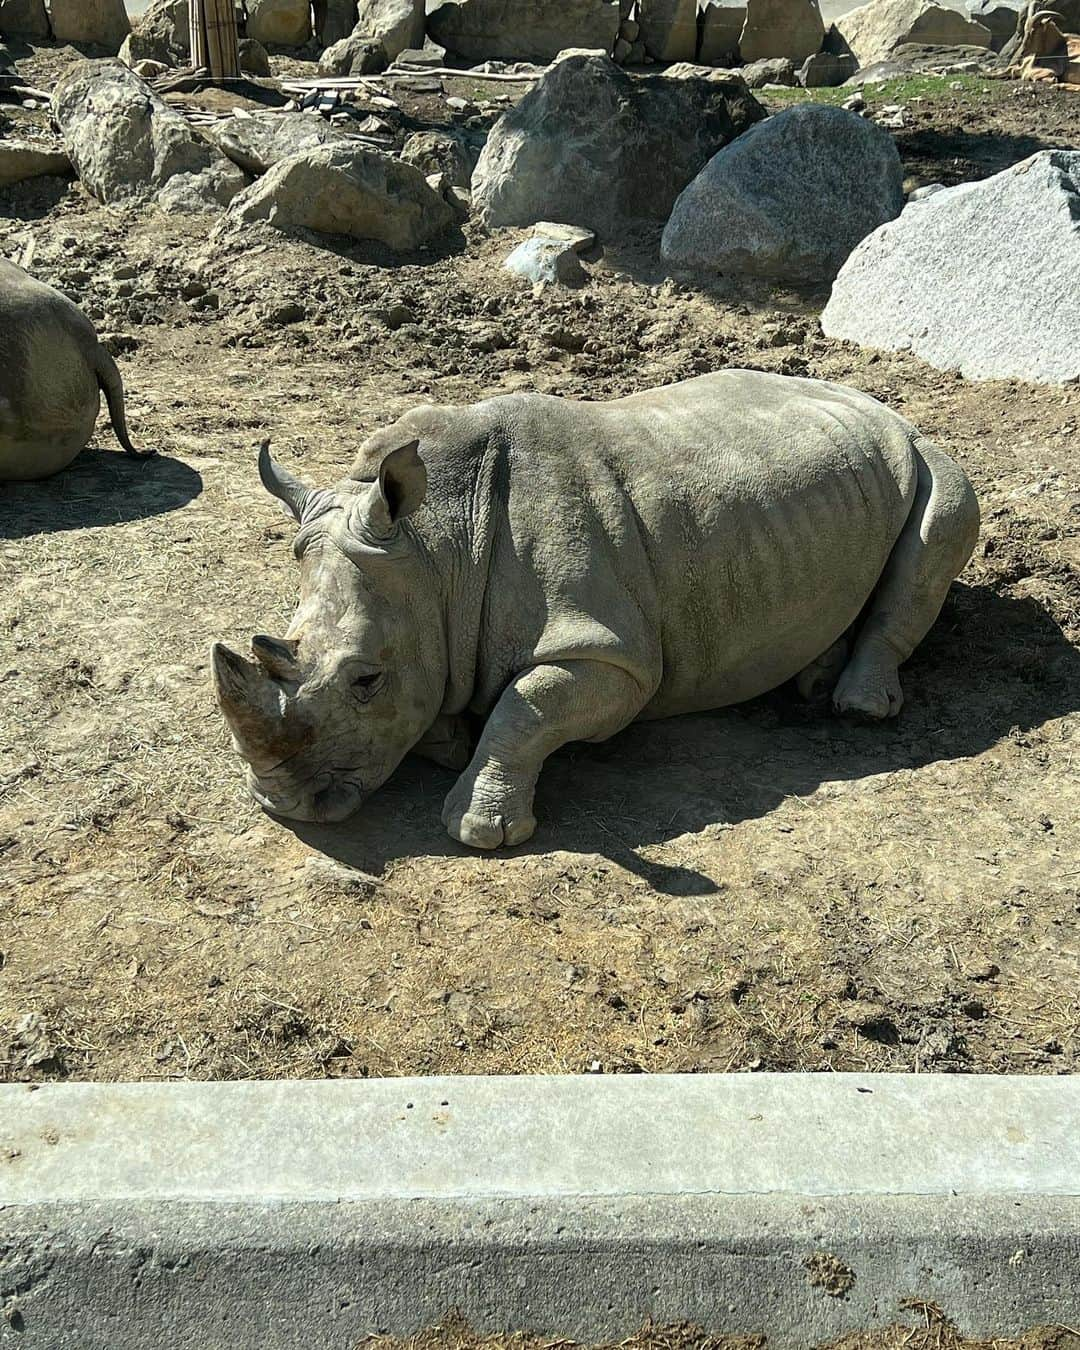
(102, 487)
(993, 667)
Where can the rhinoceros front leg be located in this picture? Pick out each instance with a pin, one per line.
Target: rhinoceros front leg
(542, 708)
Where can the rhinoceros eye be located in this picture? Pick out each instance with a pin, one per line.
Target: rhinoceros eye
(366, 685)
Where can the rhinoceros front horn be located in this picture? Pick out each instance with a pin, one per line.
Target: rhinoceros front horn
(251, 706)
(280, 483)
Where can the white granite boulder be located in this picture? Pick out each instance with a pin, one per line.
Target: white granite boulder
(397, 24)
(980, 278)
(874, 31)
(789, 199)
(20, 160)
(342, 189)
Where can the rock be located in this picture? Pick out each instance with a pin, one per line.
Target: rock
(592, 146)
(778, 70)
(207, 192)
(398, 24)
(669, 29)
(825, 70)
(255, 144)
(629, 30)
(1000, 17)
(687, 70)
(20, 160)
(100, 23)
(435, 152)
(123, 140)
(339, 189)
(547, 261)
(920, 194)
(523, 30)
(925, 58)
(721, 23)
(279, 23)
(623, 51)
(878, 73)
(254, 58)
(789, 199)
(789, 28)
(354, 55)
(979, 278)
(148, 70)
(875, 30)
(162, 34)
(578, 239)
(334, 20)
(24, 18)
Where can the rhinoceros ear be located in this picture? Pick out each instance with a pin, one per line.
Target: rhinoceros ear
(400, 489)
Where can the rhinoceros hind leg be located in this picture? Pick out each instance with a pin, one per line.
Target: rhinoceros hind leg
(932, 550)
(541, 709)
(818, 680)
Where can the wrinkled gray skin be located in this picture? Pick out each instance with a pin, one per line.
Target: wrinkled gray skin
(560, 569)
(53, 372)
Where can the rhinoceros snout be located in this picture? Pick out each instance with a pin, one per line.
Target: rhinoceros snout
(333, 799)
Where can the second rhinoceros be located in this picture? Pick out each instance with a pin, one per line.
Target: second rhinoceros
(557, 570)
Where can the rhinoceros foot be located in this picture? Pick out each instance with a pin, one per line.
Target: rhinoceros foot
(486, 808)
(870, 684)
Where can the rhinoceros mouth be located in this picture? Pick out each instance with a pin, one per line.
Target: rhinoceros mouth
(329, 798)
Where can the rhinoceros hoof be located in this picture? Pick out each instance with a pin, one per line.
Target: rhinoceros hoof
(871, 693)
(477, 820)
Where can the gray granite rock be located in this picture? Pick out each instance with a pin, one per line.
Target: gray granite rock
(776, 70)
(875, 30)
(255, 144)
(334, 20)
(339, 189)
(825, 70)
(721, 23)
(279, 23)
(669, 29)
(547, 261)
(591, 146)
(979, 279)
(398, 24)
(787, 28)
(789, 199)
(354, 55)
(99, 23)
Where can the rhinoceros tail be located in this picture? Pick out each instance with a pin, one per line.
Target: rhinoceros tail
(112, 386)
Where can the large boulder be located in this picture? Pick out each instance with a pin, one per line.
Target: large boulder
(788, 28)
(875, 30)
(126, 144)
(668, 29)
(789, 199)
(354, 55)
(398, 24)
(437, 152)
(979, 278)
(339, 189)
(334, 20)
(20, 160)
(255, 144)
(279, 23)
(591, 146)
(721, 23)
(1000, 16)
(24, 18)
(162, 33)
(100, 23)
(523, 30)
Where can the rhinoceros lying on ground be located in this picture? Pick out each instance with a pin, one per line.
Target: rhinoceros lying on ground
(53, 372)
(560, 569)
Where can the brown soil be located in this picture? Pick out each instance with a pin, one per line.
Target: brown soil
(760, 888)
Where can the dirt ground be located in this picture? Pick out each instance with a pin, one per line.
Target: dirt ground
(929, 1330)
(764, 887)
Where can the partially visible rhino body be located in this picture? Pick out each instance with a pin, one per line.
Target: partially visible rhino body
(558, 570)
(53, 371)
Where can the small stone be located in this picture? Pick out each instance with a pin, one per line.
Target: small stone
(290, 312)
(546, 261)
(578, 239)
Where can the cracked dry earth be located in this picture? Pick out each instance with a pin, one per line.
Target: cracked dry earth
(763, 887)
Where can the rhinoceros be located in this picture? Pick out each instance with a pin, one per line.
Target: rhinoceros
(554, 570)
(53, 371)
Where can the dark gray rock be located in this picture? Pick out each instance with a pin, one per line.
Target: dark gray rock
(591, 146)
(339, 189)
(979, 278)
(1000, 16)
(398, 24)
(437, 152)
(254, 58)
(98, 23)
(334, 20)
(162, 34)
(789, 199)
(523, 30)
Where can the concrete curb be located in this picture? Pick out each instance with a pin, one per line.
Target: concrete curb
(284, 1215)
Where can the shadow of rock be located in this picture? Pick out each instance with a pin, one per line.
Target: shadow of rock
(100, 488)
(991, 668)
(34, 198)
